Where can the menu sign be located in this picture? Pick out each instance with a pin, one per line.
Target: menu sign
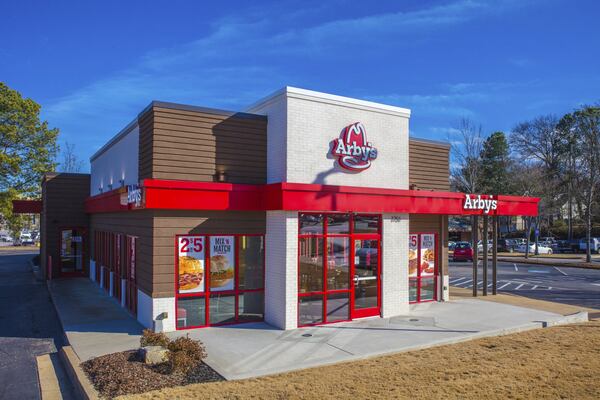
(427, 254)
(413, 243)
(221, 263)
(190, 264)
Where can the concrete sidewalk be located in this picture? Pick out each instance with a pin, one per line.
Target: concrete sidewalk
(95, 325)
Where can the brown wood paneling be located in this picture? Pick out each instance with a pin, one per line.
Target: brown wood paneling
(187, 143)
(63, 197)
(428, 165)
(135, 223)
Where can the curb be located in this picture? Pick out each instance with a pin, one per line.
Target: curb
(82, 385)
(548, 263)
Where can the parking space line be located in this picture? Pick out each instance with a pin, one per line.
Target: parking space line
(454, 281)
(519, 287)
(516, 269)
(505, 285)
(561, 271)
(534, 287)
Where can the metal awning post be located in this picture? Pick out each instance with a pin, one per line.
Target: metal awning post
(494, 253)
(484, 242)
(474, 235)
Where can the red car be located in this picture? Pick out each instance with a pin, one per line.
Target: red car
(463, 252)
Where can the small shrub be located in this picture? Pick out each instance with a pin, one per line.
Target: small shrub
(150, 338)
(185, 354)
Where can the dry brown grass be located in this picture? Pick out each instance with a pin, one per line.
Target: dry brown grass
(558, 362)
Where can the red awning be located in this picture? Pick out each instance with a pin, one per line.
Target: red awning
(186, 195)
(27, 206)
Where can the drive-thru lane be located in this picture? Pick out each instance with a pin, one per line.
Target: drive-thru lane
(575, 286)
(29, 327)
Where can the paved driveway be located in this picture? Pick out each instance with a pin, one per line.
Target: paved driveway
(575, 286)
(28, 327)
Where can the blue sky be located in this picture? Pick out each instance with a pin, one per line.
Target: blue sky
(94, 65)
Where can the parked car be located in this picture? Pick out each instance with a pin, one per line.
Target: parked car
(541, 249)
(6, 238)
(463, 251)
(594, 244)
(565, 246)
(490, 244)
(506, 245)
(548, 239)
(451, 246)
(26, 239)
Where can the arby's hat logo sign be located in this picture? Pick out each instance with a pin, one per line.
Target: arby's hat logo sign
(353, 151)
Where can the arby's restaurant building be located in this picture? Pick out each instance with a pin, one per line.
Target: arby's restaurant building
(305, 209)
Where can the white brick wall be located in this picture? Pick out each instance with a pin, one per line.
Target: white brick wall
(276, 109)
(281, 278)
(394, 260)
(149, 309)
(302, 124)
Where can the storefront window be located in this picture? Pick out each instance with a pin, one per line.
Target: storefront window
(222, 309)
(224, 273)
(329, 272)
(422, 267)
(338, 307)
(311, 265)
(251, 306)
(251, 252)
(310, 310)
(338, 224)
(338, 263)
(311, 224)
(190, 312)
(366, 223)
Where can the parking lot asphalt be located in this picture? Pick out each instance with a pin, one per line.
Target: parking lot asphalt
(575, 286)
(29, 327)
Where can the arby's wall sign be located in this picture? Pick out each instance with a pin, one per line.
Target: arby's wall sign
(352, 149)
(486, 204)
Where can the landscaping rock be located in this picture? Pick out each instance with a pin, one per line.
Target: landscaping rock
(154, 354)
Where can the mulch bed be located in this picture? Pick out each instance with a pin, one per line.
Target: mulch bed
(126, 373)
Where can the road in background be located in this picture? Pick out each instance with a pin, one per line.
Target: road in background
(575, 286)
(29, 326)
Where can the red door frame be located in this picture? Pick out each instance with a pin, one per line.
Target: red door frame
(365, 312)
(83, 252)
(352, 236)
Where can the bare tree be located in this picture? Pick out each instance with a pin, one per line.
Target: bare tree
(71, 163)
(586, 122)
(466, 151)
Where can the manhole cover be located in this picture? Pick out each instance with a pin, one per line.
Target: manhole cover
(307, 335)
(413, 320)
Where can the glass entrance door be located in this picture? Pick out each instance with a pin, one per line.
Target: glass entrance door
(366, 276)
(71, 251)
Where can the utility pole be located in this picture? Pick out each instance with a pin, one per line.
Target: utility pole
(474, 235)
(484, 241)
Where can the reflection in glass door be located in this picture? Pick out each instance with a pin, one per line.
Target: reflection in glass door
(71, 251)
(366, 278)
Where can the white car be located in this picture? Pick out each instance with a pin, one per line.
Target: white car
(26, 239)
(541, 249)
(480, 246)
